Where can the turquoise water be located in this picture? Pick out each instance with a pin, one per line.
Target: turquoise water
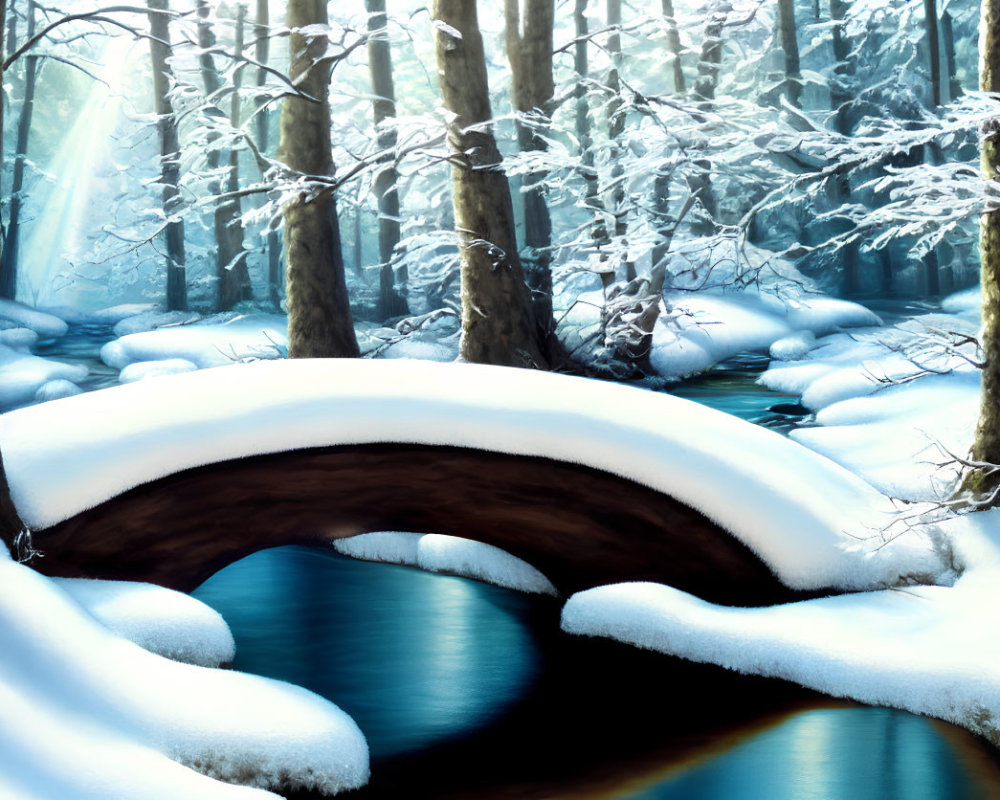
(467, 690)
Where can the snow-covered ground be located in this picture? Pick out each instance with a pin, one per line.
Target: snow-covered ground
(86, 714)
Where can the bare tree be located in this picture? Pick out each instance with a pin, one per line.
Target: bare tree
(391, 302)
(170, 155)
(529, 51)
(262, 50)
(10, 254)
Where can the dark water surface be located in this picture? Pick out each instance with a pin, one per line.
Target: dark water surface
(467, 690)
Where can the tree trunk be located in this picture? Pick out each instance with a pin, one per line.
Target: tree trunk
(319, 314)
(170, 154)
(599, 232)
(391, 302)
(948, 34)
(529, 50)
(709, 64)
(616, 127)
(674, 46)
(10, 256)
(262, 49)
(934, 49)
(840, 185)
(790, 45)
(497, 322)
(986, 447)
(232, 277)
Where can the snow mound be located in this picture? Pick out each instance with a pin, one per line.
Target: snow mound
(793, 346)
(115, 314)
(136, 718)
(210, 343)
(843, 366)
(140, 370)
(19, 338)
(924, 649)
(152, 320)
(18, 315)
(24, 375)
(703, 328)
(809, 519)
(964, 301)
(54, 390)
(895, 439)
(429, 351)
(165, 622)
(449, 554)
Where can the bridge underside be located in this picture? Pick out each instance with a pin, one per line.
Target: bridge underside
(579, 526)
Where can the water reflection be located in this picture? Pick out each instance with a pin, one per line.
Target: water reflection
(469, 691)
(830, 754)
(412, 657)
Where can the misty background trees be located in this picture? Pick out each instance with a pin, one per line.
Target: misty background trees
(648, 148)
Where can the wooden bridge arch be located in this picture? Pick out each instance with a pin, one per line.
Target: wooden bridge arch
(581, 527)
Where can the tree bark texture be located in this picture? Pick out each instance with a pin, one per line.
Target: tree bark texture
(10, 255)
(529, 51)
(616, 127)
(790, 45)
(319, 313)
(262, 52)
(840, 185)
(391, 302)
(986, 447)
(170, 154)
(232, 276)
(497, 321)
(934, 49)
(948, 35)
(674, 46)
(709, 64)
(181, 529)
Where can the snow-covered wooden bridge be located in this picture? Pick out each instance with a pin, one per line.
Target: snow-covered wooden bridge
(590, 482)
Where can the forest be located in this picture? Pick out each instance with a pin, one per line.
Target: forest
(538, 399)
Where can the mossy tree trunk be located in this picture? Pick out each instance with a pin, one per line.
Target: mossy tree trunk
(391, 302)
(170, 154)
(497, 321)
(529, 51)
(319, 313)
(232, 276)
(986, 446)
(262, 52)
(10, 255)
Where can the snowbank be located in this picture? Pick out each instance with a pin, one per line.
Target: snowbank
(140, 370)
(810, 520)
(18, 315)
(169, 623)
(449, 554)
(87, 714)
(702, 329)
(54, 390)
(896, 438)
(18, 338)
(24, 374)
(210, 343)
(843, 365)
(926, 649)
